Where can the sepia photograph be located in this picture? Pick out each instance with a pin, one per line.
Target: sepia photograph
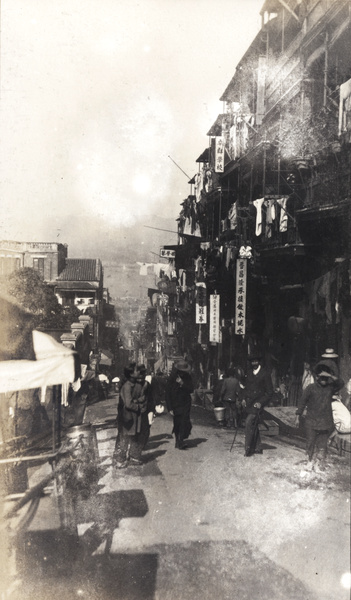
(175, 299)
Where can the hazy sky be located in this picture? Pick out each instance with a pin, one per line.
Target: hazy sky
(95, 97)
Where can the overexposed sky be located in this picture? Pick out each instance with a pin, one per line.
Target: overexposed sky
(95, 97)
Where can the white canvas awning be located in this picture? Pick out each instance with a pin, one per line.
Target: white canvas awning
(54, 364)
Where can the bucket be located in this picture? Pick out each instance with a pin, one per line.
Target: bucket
(219, 413)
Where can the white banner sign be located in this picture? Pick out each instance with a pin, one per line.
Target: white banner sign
(219, 155)
(201, 304)
(240, 296)
(164, 253)
(214, 319)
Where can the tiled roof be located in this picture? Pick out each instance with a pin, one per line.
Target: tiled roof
(81, 269)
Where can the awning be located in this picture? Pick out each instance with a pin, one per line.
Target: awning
(76, 286)
(205, 156)
(216, 129)
(195, 239)
(54, 364)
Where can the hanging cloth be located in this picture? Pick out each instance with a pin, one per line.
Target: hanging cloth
(258, 205)
(344, 106)
(199, 184)
(233, 216)
(144, 267)
(283, 224)
(187, 226)
(233, 140)
(270, 216)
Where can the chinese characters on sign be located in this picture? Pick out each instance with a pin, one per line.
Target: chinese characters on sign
(201, 304)
(240, 296)
(113, 324)
(164, 253)
(214, 318)
(219, 155)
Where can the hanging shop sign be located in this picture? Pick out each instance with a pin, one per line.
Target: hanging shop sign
(240, 296)
(219, 154)
(112, 324)
(201, 304)
(214, 319)
(164, 253)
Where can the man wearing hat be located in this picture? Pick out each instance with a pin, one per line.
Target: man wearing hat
(178, 398)
(317, 399)
(258, 391)
(328, 364)
(328, 360)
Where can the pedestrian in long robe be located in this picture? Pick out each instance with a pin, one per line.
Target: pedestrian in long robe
(142, 392)
(179, 390)
(131, 406)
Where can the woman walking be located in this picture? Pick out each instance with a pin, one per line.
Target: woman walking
(180, 388)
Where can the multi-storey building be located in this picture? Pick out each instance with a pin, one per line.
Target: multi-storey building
(273, 189)
(48, 258)
(80, 284)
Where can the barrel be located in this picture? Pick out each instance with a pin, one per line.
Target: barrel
(83, 475)
(87, 434)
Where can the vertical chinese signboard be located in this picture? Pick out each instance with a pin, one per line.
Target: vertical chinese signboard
(240, 296)
(214, 319)
(201, 304)
(219, 155)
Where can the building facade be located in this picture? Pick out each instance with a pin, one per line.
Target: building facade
(48, 258)
(265, 230)
(80, 284)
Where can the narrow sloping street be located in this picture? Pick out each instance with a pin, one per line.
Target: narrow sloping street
(204, 522)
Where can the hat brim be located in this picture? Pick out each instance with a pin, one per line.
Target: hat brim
(182, 367)
(326, 374)
(330, 356)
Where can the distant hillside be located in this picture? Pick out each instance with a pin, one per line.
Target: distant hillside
(121, 249)
(94, 239)
(136, 245)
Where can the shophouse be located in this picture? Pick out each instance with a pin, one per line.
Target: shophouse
(265, 230)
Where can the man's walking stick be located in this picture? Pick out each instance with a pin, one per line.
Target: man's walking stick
(236, 431)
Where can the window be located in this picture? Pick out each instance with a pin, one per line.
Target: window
(38, 265)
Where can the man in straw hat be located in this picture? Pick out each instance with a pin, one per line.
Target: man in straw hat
(178, 398)
(317, 399)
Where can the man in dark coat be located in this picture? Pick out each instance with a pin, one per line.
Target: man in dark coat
(258, 391)
(317, 399)
(143, 393)
(132, 418)
(178, 398)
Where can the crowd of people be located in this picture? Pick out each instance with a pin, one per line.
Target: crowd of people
(243, 396)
